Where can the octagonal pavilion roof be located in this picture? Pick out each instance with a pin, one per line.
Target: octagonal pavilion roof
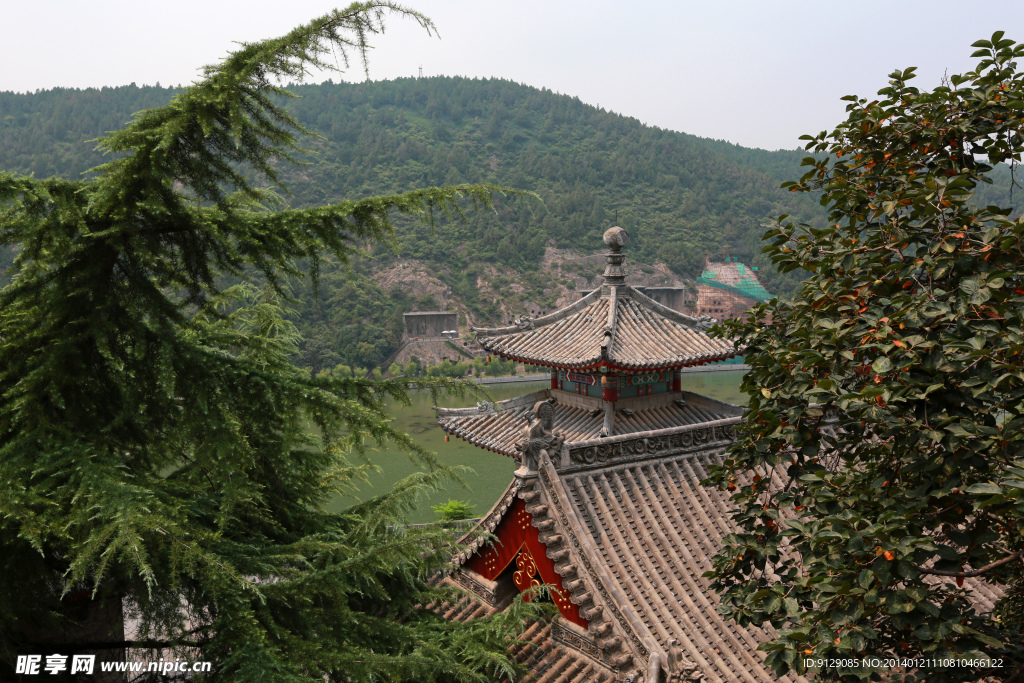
(615, 326)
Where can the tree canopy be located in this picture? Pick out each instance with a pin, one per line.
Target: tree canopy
(880, 470)
(159, 450)
(683, 197)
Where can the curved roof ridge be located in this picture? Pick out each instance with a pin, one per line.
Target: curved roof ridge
(662, 309)
(579, 419)
(483, 407)
(553, 317)
(592, 565)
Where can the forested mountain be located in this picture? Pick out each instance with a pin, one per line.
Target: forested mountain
(681, 197)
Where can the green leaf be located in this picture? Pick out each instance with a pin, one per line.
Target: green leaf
(898, 480)
(957, 429)
(982, 295)
(985, 489)
(882, 365)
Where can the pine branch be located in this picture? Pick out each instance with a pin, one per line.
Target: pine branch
(154, 432)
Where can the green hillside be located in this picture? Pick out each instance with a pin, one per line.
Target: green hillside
(681, 197)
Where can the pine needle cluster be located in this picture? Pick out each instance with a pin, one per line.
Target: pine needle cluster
(156, 450)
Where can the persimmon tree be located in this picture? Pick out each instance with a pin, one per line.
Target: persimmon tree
(879, 474)
(156, 451)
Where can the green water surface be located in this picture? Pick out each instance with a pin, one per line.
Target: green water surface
(491, 473)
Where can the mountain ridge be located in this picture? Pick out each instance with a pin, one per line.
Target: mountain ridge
(681, 197)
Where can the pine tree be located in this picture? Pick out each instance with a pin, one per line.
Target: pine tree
(155, 451)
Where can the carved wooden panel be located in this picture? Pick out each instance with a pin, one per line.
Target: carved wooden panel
(694, 439)
(516, 533)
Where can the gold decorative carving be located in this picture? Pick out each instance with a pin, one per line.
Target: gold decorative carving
(525, 577)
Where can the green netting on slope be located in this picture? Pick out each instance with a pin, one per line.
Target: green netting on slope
(747, 286)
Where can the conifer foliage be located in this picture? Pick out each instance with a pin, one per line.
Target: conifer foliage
(880, 471)
(154, 436)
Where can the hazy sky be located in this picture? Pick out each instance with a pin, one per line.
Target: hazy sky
(756, 73)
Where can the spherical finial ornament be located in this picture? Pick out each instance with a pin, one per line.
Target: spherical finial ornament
(616, 238)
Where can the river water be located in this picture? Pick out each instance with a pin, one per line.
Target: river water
(490, 473)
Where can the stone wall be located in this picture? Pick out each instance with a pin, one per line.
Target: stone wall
(433, 351)
(675, 298)
(430, 323)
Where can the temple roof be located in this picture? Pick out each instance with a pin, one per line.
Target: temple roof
(655, 529)
(498, 427)
(632, 538)
(536, 648)
(615, 326)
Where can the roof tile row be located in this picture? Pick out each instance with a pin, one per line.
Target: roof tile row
(622, 328)
(499, 430)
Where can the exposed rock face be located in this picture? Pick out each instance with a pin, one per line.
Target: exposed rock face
(563, 274)
(413, 276)
(427, 324)
(584, 271)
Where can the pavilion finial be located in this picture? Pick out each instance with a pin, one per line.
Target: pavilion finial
(616, 238)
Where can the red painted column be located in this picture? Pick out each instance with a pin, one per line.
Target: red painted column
(610, 387)
(554, 379)
(677, 380)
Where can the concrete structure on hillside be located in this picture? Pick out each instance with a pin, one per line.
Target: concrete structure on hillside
(678, 299)
(427, 324)
(606, 505)
(727, 289)
(675, 298)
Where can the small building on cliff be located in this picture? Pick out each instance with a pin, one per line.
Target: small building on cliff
(431, 324)
(606, 505)
(727, 289)
(676, 298)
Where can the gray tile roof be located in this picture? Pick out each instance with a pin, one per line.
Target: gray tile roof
(631, 543)
(545, 658)
(655, 529)
(614, 325)
(577, 418)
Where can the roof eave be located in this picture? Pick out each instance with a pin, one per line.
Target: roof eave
(597, 362)
(542, 321)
